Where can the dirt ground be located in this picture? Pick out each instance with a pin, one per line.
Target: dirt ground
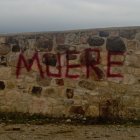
(69, 132)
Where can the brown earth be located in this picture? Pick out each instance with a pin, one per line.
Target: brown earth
(68, 132)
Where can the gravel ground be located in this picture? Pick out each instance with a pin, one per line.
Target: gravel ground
(69, 132)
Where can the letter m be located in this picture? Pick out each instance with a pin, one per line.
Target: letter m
(28, 65)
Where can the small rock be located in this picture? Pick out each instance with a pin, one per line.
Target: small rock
(95, 41)
(16, 129)
(115, 44)
(103, 34)
(12, 128)
(84, 119)
(68, 120)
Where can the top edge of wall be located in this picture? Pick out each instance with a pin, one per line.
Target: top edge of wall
(67, 31)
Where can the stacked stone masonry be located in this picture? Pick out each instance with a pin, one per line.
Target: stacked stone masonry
(91, 73)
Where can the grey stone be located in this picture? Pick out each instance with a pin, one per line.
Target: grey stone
(95, 41)
(3, 61)
(115, 44)
(64, 48)
(36, 91)
(49, 59)
(68, 120)
(4, 49)
(103, 34)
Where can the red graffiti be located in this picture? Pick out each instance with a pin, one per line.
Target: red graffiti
(70, 66)
(28, 65)
(90, 64)
(56, 75)
(113, 63)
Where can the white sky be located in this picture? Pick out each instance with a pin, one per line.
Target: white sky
(53, 15)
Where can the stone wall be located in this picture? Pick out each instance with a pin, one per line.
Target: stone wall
(92, 73)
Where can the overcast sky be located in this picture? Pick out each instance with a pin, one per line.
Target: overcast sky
(53, 15)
